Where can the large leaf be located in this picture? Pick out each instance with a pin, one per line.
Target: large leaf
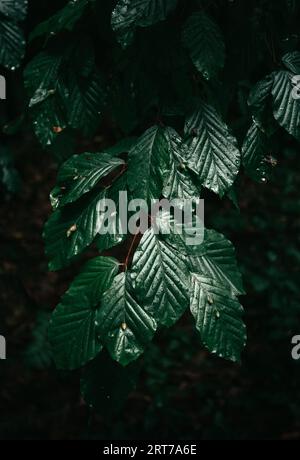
(178, 181)
(128, 14)
(214, 155)
(161, 279)
(66, 18)
(286, 107)
(218, 317)
(124, 326)
(81, 173)
(203, 38)
(72, 330)
(73, 228)
(148, 163)
(216, 259)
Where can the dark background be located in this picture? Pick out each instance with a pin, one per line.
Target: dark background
(183, 392)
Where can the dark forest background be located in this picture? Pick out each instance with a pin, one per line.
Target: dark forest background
(183, 392)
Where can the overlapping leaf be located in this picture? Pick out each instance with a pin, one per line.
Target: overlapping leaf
(82, 172)
(123, 324)
(218, 316)
(129, 14)
(61, 95)
(255, 151)
(161, 278)
(178, 180)
(66, 18)
(286, 107)
(214, 155)
(204, 40)
(216, 259)
(72, 330)
(148, 164)
(12, 40)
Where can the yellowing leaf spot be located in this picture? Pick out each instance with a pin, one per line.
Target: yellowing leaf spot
(124, 326)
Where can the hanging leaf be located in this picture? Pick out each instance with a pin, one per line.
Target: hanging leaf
(286, 108)
(214, 155)
(218, 316)
(66, 18)
(12, 40)
(178, 181)
(72, 327)
(123, 324)
(204, 40)
(161, 279)
(81, 173)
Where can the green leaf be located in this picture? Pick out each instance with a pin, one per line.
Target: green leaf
(38, 355)
(105, 384)
(204, 40)
(85, 101)
(72, 329)
(128, 14)
(148, 163)
(178, 181)
(72, 229)
(161, 279)
(216, 259)
(258, 101)
(124, 326)
(64, 94)
(115, 234)
(14, 9)
(292, 62)
(66, 18)
(286, 107)
(81, 173)
(254, 158)
(218, 316)
(94, 279)
(214, 155)
(12, 44)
